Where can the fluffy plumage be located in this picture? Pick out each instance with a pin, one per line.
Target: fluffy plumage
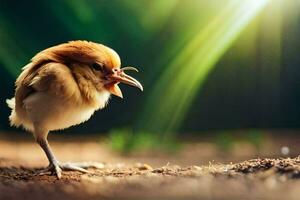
(63, 86)
(58, 80)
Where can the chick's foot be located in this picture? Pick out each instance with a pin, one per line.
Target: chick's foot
(56, 169)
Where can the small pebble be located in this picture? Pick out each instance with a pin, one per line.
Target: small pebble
(285, 150)
(145, 167)
(196, 167)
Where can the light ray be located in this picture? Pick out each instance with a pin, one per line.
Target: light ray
(173, 94)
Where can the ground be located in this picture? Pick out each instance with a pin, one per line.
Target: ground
(188, 174)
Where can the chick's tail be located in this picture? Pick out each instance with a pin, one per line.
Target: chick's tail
(11, 103)
(13, 118)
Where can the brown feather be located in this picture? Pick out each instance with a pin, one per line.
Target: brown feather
(62, 71)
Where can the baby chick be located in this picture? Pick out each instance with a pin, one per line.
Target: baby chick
(63, 86)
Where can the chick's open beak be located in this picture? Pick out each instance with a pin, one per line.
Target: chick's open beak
(119, 76)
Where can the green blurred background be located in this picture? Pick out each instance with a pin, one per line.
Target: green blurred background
(204, 64)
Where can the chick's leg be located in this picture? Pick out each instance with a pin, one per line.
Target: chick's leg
(53, 167)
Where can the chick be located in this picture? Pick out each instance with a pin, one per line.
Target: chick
(63, 86)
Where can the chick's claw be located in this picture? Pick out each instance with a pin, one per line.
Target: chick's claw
(51, 169)
(56, 169)
(73, 167)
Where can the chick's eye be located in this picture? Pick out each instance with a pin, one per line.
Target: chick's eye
(98, 67)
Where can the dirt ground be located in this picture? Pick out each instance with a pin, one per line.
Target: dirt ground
(189, 174)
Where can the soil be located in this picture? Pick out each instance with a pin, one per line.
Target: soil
(126, 178)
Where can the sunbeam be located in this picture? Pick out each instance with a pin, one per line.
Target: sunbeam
(174, 92)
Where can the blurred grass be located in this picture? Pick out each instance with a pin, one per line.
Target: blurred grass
(126, 141)
(225, 140)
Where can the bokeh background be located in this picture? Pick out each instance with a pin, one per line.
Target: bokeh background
(206, 65)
